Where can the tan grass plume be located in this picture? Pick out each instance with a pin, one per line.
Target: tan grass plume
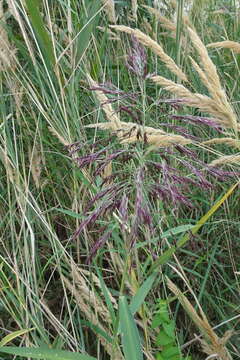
(134, 8)
(110, 113)
(109, 7)
(227, 44)
(129, 132)
(217, 103)
(155, 47)
(226, 160)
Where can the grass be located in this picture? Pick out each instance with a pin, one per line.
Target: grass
(119, 186)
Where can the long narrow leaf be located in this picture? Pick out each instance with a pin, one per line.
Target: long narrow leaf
(40, 31)
(13, 335)
(43, 353)
(130, 335)
(142, 292)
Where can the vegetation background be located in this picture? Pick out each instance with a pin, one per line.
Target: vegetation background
(119, 193)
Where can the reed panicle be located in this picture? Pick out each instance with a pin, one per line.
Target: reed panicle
(222, 112)
(227, 44)
(213, 81)
(109, 7)
(129, 132)
(226, 160)
(225, 140)
(155, 47)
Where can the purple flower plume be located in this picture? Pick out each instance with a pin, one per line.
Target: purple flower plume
(137, 59)
(98, 244)
(199, 120)
(180, 130)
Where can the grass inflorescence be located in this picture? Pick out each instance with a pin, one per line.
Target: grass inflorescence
(120, 152)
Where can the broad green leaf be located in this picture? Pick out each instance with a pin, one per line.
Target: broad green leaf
(169, 329)
(163, 339)
(43, 353)
(157, 321)
(168, 253)
(142, 292)
(13, 335)
(40, 31)
(170, 352)
(129, 332)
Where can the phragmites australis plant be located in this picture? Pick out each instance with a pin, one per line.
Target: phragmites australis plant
(132, 142)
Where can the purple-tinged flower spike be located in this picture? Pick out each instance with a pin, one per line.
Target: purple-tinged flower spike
(107, 160)
(181, 130)
(106, 191)
(211, 122)
(98, 244)
(91, 218)
(110, 89)
(186, 151)
(137, 59)
(201, 178)
(142, 212)
(88, 159)
(170, 193)
(123, 211)
(175, 103)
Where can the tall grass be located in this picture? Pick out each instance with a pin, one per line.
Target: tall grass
(119, 180)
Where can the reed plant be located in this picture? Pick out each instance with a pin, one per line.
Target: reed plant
(119, 150)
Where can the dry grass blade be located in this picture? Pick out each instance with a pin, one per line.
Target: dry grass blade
(227, 44)
(155, 47)
(106, 106)
(131, 133)
(226, 160)
(212, 344)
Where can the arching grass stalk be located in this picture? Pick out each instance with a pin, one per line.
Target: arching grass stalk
(179, 30)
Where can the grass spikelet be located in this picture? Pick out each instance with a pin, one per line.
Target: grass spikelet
(226, 160)
(227, 44)
(209, 67)
(58, 136)
(134, 8)
(110, 10)
(7, 51)
(111, 115)
(211, 344)
(131, 133)
(226, 141)
(214, 85)
(165, 22)
(155, 47)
